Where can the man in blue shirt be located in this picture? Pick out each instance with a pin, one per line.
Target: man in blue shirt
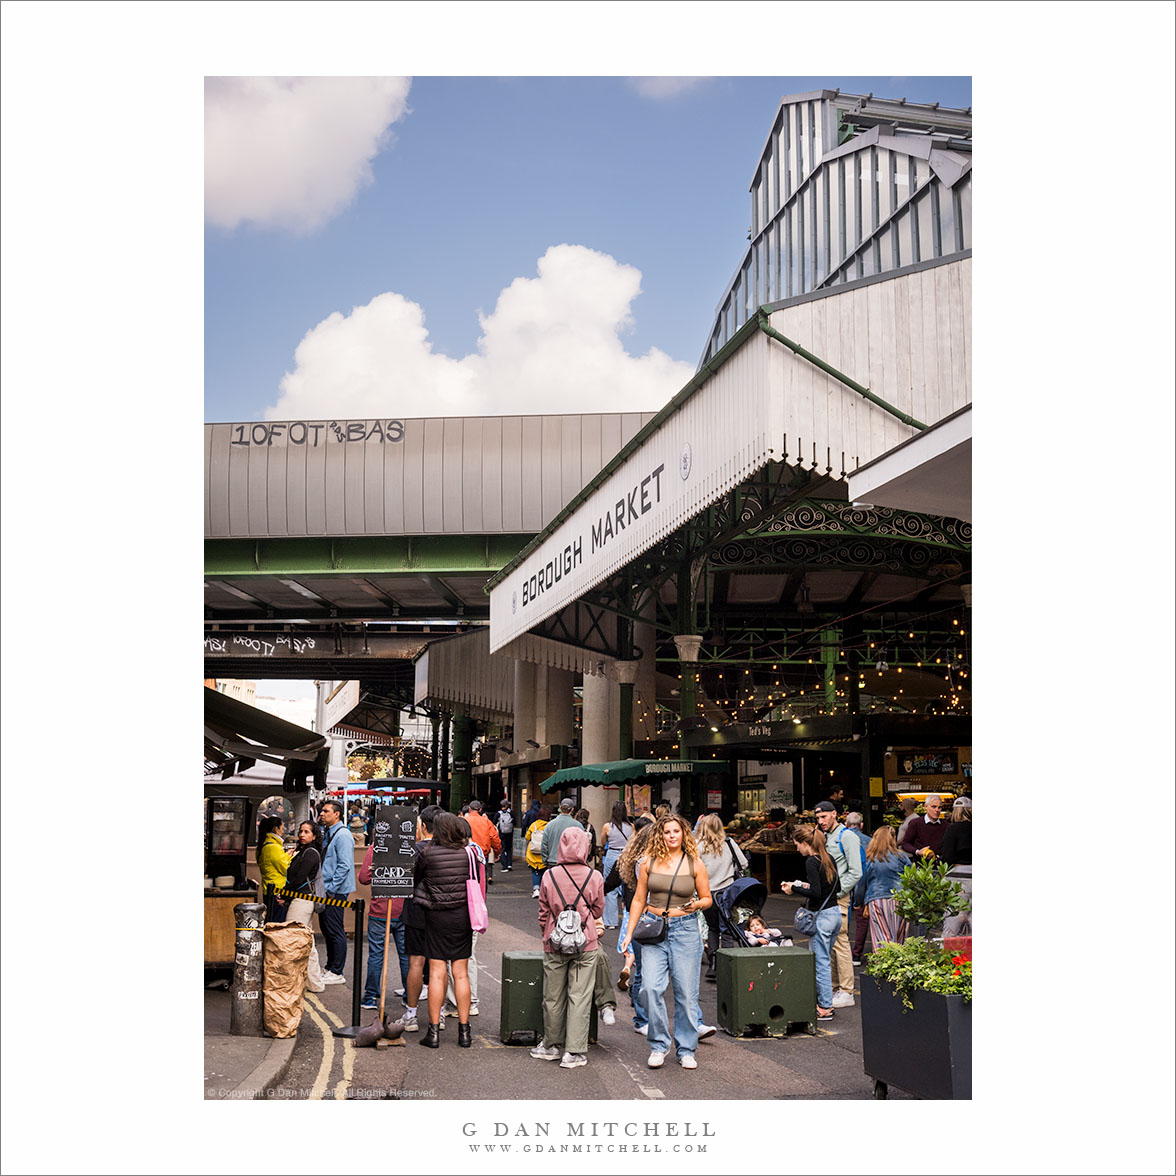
(339, 882)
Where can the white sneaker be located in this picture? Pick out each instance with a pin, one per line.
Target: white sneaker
(535, 892)
(687, 1062)
(545, 1053)
(842, 1000)
(705, 1031)
(333, 978)
(397, 991)
(474, 1010)
(608, 1016)
(411, 1025)
(570, 1061)
(642, 1029)
(656, 1060)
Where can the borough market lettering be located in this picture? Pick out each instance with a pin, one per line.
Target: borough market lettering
(312, 432)
(640, 500)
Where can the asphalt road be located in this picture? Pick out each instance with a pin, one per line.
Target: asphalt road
(827, 1065)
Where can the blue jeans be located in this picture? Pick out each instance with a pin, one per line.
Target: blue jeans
(828, 925)
(639, 1017)
(678, 958)
(536, 876)
(331, 925)
(612, 898)
(371, 988)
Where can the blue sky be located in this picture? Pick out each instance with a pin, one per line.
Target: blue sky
(477, 178)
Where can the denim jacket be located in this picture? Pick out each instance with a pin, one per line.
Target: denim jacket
(883, 876)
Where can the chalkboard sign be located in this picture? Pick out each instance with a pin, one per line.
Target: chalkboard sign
(393, 851)
(927, 763)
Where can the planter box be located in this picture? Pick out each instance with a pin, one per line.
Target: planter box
(926, 1051)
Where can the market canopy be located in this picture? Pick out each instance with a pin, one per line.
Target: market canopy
(622, 771)
(236, 733)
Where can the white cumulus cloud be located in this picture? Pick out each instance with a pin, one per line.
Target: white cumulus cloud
(291, 153)
(552, 344)
(661, 88)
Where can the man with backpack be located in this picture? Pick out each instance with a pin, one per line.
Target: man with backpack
(843, 848)
(555, 829)
(505, 823)
(571, 899)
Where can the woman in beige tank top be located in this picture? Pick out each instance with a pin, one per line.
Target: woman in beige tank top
(672, 882)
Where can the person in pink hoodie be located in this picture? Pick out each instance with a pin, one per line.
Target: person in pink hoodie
(568, 979)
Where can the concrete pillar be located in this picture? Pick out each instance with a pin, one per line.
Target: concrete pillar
(560, 707)
(524, 704)
(598, 801)
(600, 735)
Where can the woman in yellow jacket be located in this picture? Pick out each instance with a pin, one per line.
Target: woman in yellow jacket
(534, 857)
(272, 861)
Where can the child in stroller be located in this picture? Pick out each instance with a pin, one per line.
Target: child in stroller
(758, 934)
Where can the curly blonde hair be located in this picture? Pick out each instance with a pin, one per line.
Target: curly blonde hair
(633, 852)
(658, 848)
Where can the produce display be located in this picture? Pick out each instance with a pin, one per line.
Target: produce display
(754, 833)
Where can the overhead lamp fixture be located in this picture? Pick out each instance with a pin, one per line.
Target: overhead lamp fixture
(881, 665)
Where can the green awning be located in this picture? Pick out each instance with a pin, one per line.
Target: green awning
(622, 771)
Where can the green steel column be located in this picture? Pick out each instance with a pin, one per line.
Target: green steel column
(461, 783)
(829, 642)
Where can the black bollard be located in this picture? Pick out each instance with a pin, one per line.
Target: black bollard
(246, 1012)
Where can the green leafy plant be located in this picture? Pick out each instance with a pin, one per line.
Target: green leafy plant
(920, 965)
(926, 895)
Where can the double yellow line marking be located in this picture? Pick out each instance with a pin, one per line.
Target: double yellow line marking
(319, 1089)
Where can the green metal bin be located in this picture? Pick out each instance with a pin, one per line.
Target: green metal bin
(522, 999)
(763, 990)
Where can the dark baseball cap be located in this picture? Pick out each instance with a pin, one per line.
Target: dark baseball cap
(825, 806)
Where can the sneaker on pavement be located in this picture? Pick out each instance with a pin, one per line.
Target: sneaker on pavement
(369, 1003)
(608, 1016)
(825, 1016)
(411, 1025)
(570, 1061)
(535, 892)
(642, 1029)
(656, 1060)
(842, 1000)
(545, 1053)
(333, 978)
(687, 1062)
(397, 991)
(705, 1031)
(474, 1010)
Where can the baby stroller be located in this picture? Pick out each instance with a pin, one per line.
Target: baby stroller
(736, 905)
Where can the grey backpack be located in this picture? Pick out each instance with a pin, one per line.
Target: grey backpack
(568, 936)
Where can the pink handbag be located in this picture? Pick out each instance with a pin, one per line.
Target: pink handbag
(476, 896)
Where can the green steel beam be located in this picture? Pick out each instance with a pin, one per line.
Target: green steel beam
(361, 555)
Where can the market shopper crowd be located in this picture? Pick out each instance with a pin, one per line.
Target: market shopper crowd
(662, 881)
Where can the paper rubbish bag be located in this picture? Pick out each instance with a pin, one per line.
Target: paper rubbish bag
(287, 951)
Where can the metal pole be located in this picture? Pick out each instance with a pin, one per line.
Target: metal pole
(246, 1012)
(357, 975)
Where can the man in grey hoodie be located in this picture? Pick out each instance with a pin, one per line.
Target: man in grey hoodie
(554, 831)
(568, 980)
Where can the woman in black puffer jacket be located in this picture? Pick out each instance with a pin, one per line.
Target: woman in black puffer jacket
(439, 889)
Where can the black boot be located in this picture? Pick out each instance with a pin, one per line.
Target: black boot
(432, 1037)
(465, 1037)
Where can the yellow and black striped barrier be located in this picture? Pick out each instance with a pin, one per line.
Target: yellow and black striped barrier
(318, 899)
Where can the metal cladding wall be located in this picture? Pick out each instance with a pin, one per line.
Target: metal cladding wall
(907, 338)
(422, 476)
(462, 670)
(713, 441)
